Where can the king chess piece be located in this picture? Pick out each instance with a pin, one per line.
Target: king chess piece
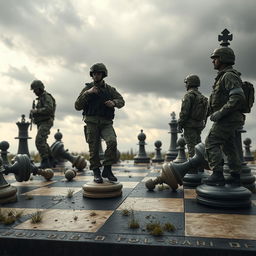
(141, 157)
(23, 136)
(173, 151)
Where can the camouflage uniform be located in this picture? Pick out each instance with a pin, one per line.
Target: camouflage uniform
(99, 120)
(192, 128)
(43, 118)
(226, 100)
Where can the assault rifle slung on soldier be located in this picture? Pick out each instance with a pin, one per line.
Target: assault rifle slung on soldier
(31, 115)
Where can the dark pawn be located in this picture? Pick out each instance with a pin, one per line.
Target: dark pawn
(107, 173)
(97, 176)
(45, 163)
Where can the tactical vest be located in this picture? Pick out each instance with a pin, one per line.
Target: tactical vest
(96, 104)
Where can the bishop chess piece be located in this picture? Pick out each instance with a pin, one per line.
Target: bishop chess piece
(248, 156)
(173, 151)
(141, 157)
(4, 146)
(158, 155)
(23, 136)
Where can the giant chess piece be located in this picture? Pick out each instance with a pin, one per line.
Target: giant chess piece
(248, 156)
(172, 173)
(4, 145)
(173, 151)
(158, 155)
(181, 157)
(58, 152)
(60, 162)
(141, 157)
(23, 136)
(22, 169)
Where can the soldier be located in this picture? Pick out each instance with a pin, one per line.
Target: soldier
(193, 113)
(225, 104)
(98, 101)
(43, 116)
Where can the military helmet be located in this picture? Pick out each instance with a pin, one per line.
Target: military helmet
(37, 84)
(225, 54)
(99, 67)
(192, 81)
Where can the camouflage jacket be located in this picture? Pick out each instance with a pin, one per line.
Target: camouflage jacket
(224, 99)
(45, 108)
(187, 106)
(93, 104)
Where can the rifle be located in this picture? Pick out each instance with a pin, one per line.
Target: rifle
(31, 115)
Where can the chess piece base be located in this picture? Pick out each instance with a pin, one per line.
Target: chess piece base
(102, 190)
(227, 196)
(8, 194)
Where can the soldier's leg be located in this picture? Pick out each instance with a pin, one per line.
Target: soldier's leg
(109, 135)
(213, 143)
(191, 139)
(92, 136)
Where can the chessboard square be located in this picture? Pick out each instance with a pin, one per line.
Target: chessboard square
(68, 220)
(32, 183)
(231, 226)
(133, 174)
(129, 184)
(189, 193)
(52, 191)
(153, 204)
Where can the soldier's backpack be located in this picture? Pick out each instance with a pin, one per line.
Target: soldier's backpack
(249, 96)
(199, 108)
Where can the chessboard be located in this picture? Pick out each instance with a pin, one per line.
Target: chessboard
(139, 221)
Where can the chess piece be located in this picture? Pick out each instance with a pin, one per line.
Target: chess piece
(70, 174)
(58, 162)
(248, 156)
(102, 190)
(58, 152)
(23, 136)
(4, 145)
(172, 152)
(141, 157)
(158, 156)
(181, 157)
(172, 173)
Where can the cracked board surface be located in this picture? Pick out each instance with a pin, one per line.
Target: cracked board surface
(101, 221)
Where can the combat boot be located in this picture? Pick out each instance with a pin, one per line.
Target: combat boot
(97, 176)
(216, 179)
(107, 173)
(234, 179)
(45, 163)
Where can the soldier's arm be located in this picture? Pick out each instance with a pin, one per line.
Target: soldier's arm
(117, 98)
(185, 110)
(82, 99)
(236, 94)
(48, 106)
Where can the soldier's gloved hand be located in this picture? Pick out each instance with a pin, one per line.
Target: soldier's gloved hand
(33, 111)
(179, 129)
(216, 116)
(110, 103)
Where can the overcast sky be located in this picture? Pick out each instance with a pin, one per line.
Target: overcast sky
(148, 46)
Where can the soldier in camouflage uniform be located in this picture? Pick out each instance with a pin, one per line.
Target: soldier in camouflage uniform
(225, 103)
(190, 120)
(98, 101)
(43, 116)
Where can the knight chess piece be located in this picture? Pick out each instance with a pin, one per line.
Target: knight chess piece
(4, 146)
(173, 151)
(58, 152)
(158, 155)
(248, 156)
(23, 136)
(141, 157)
(70, 174)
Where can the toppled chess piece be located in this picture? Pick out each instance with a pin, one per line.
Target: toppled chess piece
(58, 152)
